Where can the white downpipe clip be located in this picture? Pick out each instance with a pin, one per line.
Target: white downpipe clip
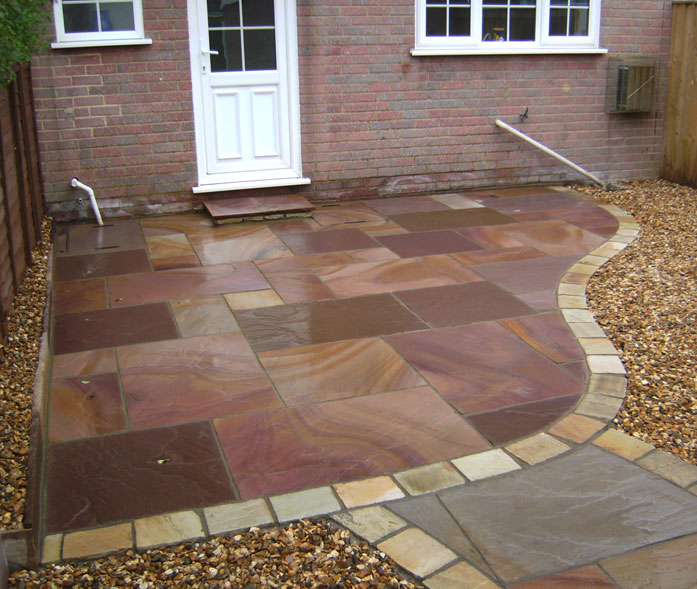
(75, 183)
(548, 151)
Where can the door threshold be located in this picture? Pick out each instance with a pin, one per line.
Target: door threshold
(247, 185)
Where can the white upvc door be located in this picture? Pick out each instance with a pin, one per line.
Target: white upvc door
(245, 88)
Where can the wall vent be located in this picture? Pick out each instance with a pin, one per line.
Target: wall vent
(631, 84)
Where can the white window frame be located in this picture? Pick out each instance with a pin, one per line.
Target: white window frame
(473, 45)
(99, 39)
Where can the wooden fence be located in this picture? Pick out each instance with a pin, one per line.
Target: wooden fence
(680, 155)
(22, 207)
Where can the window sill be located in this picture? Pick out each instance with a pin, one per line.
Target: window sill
(423, 52)
(103, 43)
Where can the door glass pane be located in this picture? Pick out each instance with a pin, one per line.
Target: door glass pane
(225, 13)
(80, 18)
(494, 24)
(257, 13)
(260, 49)
(229, 47)
(117, 16)
(522, 24)
(436, 21)
(578, 25)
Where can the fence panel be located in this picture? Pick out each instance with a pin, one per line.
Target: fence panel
(680, 154)
(22, 207)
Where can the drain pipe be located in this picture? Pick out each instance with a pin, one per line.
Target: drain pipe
(75, 183)
(501, 125)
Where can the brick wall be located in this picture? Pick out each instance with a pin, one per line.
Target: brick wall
(375, 121)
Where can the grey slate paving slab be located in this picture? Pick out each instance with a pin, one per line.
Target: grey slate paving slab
(428, 513)
(569, 512)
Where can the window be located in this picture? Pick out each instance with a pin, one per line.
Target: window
(507, 26)
(82, 23)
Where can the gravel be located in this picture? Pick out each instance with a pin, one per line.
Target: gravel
(645, 299)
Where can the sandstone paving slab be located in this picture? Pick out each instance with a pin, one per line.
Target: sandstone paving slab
(458, 576)
(588, 576)
(372, 523)
(417, 552)
(569, 512)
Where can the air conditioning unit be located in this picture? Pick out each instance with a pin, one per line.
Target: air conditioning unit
(631, 84)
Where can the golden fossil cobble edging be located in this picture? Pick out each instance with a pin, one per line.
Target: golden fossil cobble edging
(357, 504)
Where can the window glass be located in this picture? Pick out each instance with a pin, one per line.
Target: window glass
(80, 18)
(448, 18)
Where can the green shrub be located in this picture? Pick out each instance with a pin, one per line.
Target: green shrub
(22, 25)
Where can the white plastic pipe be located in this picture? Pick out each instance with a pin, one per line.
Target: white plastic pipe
(75, 183)
(548, 151)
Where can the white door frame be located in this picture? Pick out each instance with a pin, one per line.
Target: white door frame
(287, 50)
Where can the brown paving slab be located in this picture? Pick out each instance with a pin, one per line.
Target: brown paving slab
(169, 246)
(229, 208)
(325, 372)
(332, 240)
(493, 256)
(85, 406)
(188, 223)
(97, 265)
(547, 333)
(135, 289)
(576, 428)
(591, 218)
(429, 514)
(568, 512)
(349, 214)
(124, 234)
(306, 262)
(450, 219)
(589, 576)
(579, 370)
(190, 261)
(483, 367)
(299, 286)
(203, 316)
(133, 474)
(511, 423)
(531, 202)
(541, 300)
(78, 332)
(290, 326)
(235, 243)
(405, 204)
(490, 237)
(75, 296)
(528, 275)
(427, 243)
(89, 362)
(304, 447)
(293, 226)
(555, 238)
(670, 565)
(190, 379)
(456, 201)
(394, 275)
(372, 254)
(458, 304)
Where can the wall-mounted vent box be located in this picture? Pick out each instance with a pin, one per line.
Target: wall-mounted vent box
(631, 84)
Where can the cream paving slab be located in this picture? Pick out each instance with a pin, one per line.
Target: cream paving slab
(417, 552)
(97, 541)
(599, 406)
(586, 330)
(51, 549)
(571, 289)
(371, 523)
(485, 464)
(597, 346)
(605, 364)
(302, 504)
(571, 302)
(537, 448)
(623, 445)
(368, 491)
(578, 316)
(168, 529)
(429, 478)
(253, 299)
(670, 467)
(232, 517)
(460, 576)
(576, 428)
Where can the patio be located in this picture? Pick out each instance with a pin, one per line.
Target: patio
(198, 366)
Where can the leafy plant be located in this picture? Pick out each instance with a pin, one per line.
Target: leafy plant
(21, 33)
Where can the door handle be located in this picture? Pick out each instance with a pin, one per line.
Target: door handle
(210, 52)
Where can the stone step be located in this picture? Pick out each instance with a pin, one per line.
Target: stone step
(234, 210)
